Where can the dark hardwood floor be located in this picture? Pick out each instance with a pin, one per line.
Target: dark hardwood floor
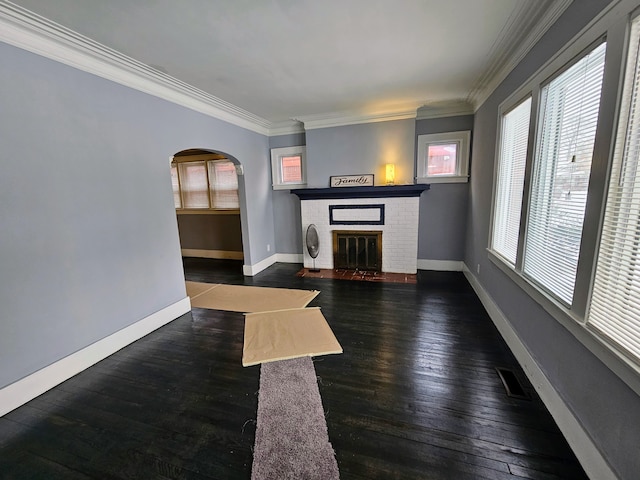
(414, 396)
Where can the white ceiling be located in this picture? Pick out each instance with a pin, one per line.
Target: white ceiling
(306, 59)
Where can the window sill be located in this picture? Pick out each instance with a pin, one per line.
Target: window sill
(207, 211)
(289, 186)
(622, 366)
(451, 179)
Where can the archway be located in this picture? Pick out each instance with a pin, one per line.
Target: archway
(210, 200)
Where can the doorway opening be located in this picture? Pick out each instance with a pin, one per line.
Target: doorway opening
(208, 199)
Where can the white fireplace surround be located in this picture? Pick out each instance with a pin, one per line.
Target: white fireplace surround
(399, 231)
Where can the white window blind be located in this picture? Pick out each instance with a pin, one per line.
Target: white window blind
(176, 186)
(194, 185)
(615, 303)
(569, 106)
(224, 184)
(510, 180)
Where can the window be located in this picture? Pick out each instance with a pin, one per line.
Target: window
(443, 157)
(224, 184)
(614, 312)
(194, 185)
(569, 107)
(576, 247)
(204, 184)
(510, 180)
(288, 167)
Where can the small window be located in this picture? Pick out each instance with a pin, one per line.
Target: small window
(288, 167)
(443, 157)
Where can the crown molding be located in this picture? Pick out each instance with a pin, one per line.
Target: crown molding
(286, 127)
(452, 108)
(26, 30)
(339, 119)
(525, 27)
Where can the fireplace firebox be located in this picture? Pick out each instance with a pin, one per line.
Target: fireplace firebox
(357, 250)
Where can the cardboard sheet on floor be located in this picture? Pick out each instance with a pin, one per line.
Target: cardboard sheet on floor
(285, 334)
(195, 289)
(246, 299)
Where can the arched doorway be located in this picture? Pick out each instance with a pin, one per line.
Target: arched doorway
(208, 187)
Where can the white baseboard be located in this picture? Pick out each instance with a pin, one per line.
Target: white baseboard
(585, 450)
(222, 254)
(251, 270)
(440, 265)
(18, 393)
(289, 257)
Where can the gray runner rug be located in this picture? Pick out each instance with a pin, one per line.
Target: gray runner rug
(291, 432)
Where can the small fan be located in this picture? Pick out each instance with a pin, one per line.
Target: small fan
(313, 245)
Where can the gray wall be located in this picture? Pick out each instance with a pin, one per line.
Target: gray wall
(345, 150)
(607, 408)
(443, 209)
(89, 241)
(210, 232)
(286, 207)
(364, 148)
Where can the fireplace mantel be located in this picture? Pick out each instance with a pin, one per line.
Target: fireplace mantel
(384, 191)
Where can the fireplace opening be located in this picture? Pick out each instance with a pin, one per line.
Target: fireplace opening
(357, 250)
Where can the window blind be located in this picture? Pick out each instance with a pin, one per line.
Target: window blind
(176, 186)
(614, 310)
(224, 184)
(195, 187)
(510, 180)
(569, 106)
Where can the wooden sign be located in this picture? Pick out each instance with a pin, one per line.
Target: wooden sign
(351, 180)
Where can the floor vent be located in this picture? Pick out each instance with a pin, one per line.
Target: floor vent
(512, 384)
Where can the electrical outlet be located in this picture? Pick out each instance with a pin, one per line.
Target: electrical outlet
(268, 247)
(478, 269)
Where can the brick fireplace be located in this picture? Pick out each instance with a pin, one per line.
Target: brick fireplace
(390, 213)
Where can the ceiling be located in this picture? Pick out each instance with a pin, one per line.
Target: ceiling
(310, 59)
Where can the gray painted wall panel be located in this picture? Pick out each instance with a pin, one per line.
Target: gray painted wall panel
(358, 149)
(607, 408)
(286, 207)
(442, 223)
(443, 209)
(286, 219)
(89, 243)
(210, 232)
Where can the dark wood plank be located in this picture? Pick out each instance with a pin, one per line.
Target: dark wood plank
(415, 394)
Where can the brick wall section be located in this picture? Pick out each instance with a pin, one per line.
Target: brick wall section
(399, 233)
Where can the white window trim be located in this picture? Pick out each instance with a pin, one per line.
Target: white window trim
(276, 166)
(462, 138)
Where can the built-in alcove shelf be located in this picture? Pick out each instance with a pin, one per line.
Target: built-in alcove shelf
(384, 191)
